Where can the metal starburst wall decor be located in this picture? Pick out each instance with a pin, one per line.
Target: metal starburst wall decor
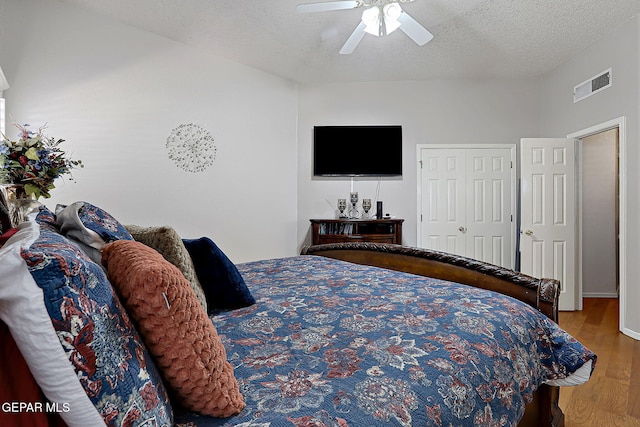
(191, 147)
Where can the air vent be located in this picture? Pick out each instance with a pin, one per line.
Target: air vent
(593, 85)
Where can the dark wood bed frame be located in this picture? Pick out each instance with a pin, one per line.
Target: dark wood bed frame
(542, 294)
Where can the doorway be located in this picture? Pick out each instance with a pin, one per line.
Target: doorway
(581, 135)
(600, 214)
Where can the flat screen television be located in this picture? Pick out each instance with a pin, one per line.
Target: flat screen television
(357, 150)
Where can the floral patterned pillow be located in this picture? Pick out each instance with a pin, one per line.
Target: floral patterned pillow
(92, 227)
(77, 339)
(101, 222)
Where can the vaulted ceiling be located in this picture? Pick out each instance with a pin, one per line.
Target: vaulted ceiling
(472, 38)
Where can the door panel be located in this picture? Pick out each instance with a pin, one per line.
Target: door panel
(548, 243)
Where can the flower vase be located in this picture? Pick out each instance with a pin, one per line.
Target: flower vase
(15, 205)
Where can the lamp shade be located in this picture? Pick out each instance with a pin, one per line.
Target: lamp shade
(4, 84)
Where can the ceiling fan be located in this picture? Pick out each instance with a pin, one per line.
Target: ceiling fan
(380, 17)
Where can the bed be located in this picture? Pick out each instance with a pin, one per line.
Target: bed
(354, 334)
(343, 336)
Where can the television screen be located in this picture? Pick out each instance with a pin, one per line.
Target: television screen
(357, 150)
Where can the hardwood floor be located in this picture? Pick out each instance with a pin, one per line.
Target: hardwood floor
(612, 396)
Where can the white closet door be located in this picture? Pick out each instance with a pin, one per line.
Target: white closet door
(489, 217)
(467, 201)
(443, 200)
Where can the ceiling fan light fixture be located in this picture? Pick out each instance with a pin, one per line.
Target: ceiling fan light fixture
(379, 18)
(391, 13)
(371, 18)
(382, 20)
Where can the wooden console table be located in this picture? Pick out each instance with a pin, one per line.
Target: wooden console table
(388, 230)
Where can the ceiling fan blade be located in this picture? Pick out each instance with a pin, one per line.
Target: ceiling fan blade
(413, 29)
(354, 39)
(327, 6)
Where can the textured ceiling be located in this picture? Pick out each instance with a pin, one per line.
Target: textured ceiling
(472, 38)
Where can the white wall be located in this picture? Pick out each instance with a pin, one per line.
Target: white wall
(430, 112)
(115, 93)
(619, 50)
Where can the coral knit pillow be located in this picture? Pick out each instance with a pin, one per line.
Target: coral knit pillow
(175, 328)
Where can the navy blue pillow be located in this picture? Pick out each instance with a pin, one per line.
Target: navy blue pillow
(221, 281)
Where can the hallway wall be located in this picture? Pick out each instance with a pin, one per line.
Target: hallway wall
(600, 215)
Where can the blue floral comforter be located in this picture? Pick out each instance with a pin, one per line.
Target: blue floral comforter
(331, 343)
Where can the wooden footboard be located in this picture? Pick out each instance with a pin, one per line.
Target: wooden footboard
(541, 294)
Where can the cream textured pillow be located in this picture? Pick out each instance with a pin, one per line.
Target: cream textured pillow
(168, 242)
(175, 328)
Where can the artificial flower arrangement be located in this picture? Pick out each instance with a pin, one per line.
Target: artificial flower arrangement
(34, 161)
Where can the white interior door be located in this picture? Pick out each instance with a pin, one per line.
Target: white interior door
(489, 221)
(443, 200)
(548, 242)
(467, 201)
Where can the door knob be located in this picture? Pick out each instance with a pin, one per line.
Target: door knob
(462, 229)
(529, 233)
